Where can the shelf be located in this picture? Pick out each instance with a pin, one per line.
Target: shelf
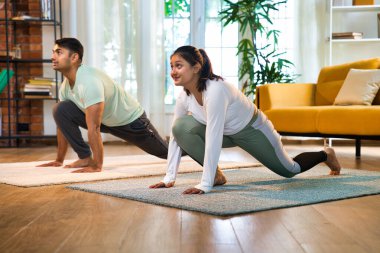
(35, 21)
(2, 59)
(19, 99)
(354, 40)
(12, 19)
(357, 8)
(28, 137)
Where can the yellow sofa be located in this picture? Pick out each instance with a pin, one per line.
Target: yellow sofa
(307, 109)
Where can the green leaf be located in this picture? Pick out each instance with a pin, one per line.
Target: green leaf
(259, 63)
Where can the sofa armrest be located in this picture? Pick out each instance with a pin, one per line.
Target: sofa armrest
(270, 96)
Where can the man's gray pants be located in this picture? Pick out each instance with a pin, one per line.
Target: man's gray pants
(140, 132)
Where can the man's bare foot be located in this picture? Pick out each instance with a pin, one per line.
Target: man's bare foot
(332, 161)
(87, 170)
(220, 178)
(51, 164)
(79, 163)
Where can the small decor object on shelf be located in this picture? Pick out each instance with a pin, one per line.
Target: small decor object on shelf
(46, 9)
(17, 52)
(342, 2)
(364, 2)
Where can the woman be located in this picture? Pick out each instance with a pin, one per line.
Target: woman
(221, 116)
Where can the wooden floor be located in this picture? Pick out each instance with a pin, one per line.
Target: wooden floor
(56, 219)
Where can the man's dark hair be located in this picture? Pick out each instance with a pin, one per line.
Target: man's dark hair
(71, 44)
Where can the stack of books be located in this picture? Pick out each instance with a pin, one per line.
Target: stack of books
(347, 35)
(39, 87)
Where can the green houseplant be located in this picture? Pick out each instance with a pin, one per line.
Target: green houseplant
(260, 64)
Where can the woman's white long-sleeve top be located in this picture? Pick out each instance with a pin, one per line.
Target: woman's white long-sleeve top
(225, 111)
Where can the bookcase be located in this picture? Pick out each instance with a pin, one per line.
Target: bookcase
(24, 24)
(362, 23)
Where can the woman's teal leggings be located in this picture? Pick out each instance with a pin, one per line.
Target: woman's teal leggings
(258, 138)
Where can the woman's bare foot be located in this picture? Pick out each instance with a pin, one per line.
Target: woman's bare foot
(80, 163)
(332, 161)
(220, 178)
(162, 185)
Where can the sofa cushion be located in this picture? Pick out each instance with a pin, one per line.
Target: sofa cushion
(326, 92)
(359, 88)
(299, 119)
(343, 120)
(349, 120)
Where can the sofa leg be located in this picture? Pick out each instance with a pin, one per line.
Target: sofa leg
(357, 148)
(327, 142)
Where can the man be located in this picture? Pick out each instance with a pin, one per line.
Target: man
(92, 100)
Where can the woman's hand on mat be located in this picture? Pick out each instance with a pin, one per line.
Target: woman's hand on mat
(162, 185)
(193, 191)
(51, 164)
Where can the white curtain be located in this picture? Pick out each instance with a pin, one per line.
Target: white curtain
(310, 23)
(124, 38)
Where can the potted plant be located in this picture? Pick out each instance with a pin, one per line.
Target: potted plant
(259, 64)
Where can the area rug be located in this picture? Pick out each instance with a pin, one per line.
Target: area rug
(248, 190)
(26, 174)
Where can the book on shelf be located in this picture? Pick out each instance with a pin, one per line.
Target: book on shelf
(343, 34)
(39, 86)
(25, 17)
(38, 96)
(42, 81)
(37, 93)
(42, 78)
(28, 89)
(4, 78)
(348, 38)
(347, 35)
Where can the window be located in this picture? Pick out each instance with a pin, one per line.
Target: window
(221, 43)
(177, 33)
(119, 43)
(284, 22)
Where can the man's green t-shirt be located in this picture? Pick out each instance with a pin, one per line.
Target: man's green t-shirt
(93, 86)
